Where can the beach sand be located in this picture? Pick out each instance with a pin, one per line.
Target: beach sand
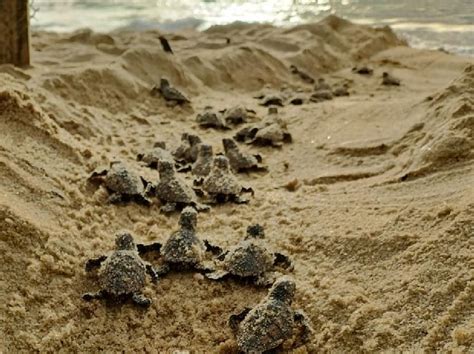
(379, 220)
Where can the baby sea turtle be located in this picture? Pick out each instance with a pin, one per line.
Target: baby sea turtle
(173, 191)
(153, 157)
(363, 70)
(249, 260)
(342, 90)
(122, 274)
(272, 321)
(274, 133)
(271, 131)
(272, 100)
(240, 161)
(389, 80)
(236, 115)
(169, 93)
(210, 119)
(188, 150)
(302, 75)
(183, 250)
(122, 183)
(202, 166)
(222, 186)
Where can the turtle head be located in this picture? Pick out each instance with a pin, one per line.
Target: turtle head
(221, 163)
(283, 290)
(194, 139)
(205, 150)
(124, 242)
(188, 218)
(229, 144)
(164, 82)
(166, 169)
(255, 231)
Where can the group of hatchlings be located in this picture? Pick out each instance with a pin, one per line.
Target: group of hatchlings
(122, 274)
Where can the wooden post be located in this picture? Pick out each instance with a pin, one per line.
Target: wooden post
(14, 32)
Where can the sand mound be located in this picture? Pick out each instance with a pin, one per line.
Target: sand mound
(378, 221)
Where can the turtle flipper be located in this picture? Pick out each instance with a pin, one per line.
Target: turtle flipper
(93, 296)
(162, 270)
(282, 260)
(217, 274)
(115, 198)
(94, 263)
(152, 247)
(215, 250)
(141, 300)
(234, 320)
(168, 208)
(306, 329)
(152, 272)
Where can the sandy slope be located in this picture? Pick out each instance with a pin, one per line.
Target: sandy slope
(381, 229)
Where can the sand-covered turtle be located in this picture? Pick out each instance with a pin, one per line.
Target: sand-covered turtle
(240, 161)
(169, 93)
(249, 260)
(322, 91)
(122, 183)
(187, 151)
(272, 131)
(272, 321)
(153, 157)
(122, 274)
(301, 74)
(183, 250)
(236, 115)
(173, 191)
(271, 100)
(202, 166)
(363, 70)
(389, 80)
(342, 90)
(222, 186)
(211, 119)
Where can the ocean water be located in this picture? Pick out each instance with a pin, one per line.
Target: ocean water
(447, 24)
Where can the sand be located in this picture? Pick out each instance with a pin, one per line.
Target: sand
(379, 222)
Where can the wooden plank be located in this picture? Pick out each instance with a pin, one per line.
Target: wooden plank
(14, 32)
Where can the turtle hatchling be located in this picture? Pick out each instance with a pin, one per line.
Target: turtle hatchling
(236, 115)
(122, 274)
(271, 100)
(389, 80)
(173, 191)
(169, 93)
(122, 183)
(202, 166)
(272, 321)
(210, 119)
(153, 157)
(250, 260)
(187, 152)
(239, 161)
(222, 186)
(183, 250)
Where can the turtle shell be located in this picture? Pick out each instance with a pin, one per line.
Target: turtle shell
(121, 180)
(174, 190)
(248, 259)
(265, 327)
(219, 183)
(122, 273)
(153, 157)
(183, 247)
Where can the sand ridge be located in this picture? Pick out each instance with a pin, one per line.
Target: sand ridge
(380, 226)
